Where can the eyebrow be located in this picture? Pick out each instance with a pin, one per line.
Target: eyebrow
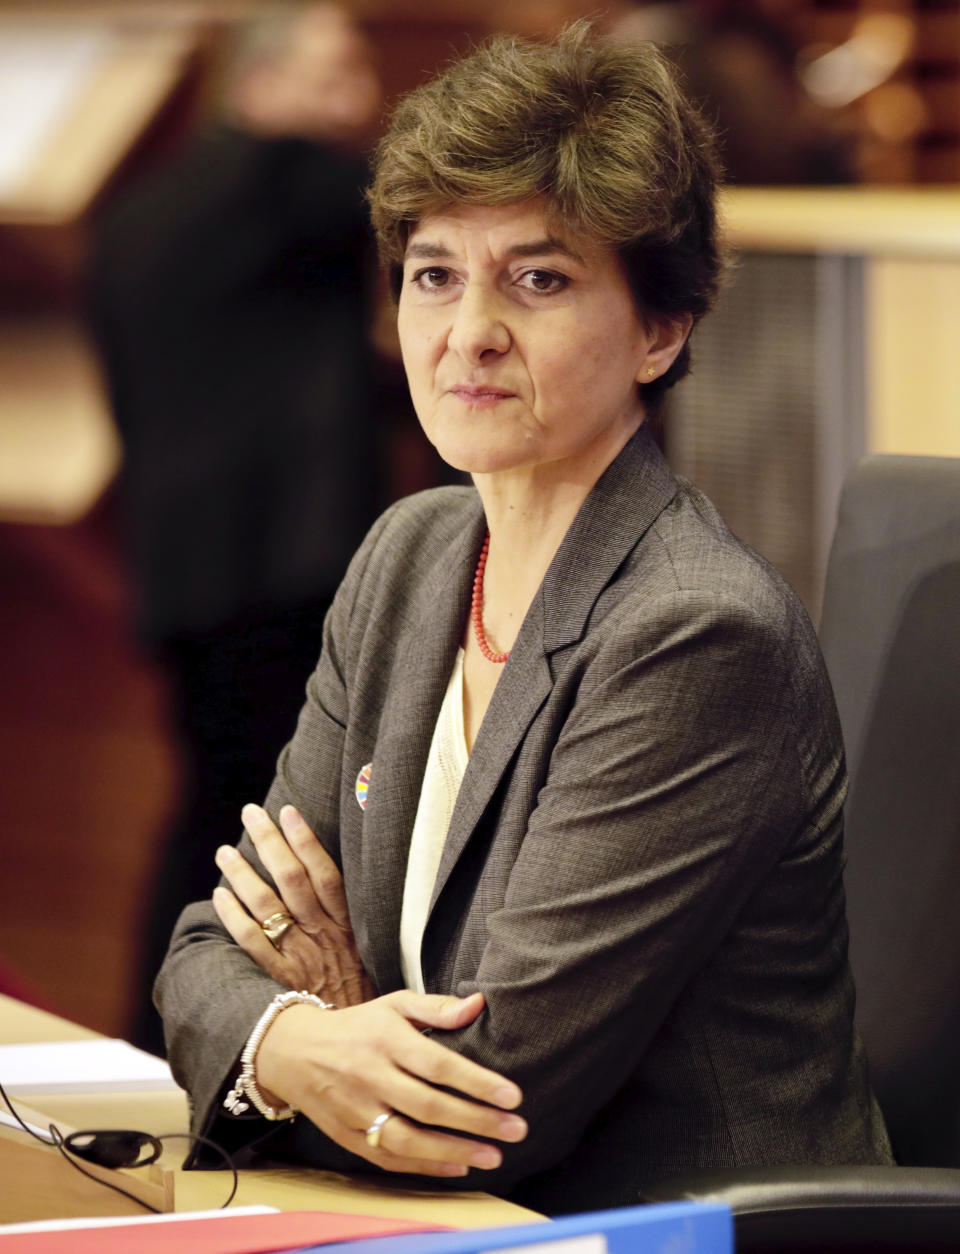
(425, 251)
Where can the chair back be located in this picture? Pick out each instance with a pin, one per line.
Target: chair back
(890, 632)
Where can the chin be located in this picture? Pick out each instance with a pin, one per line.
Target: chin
(479, 442)
(480, 461)
(476, 452)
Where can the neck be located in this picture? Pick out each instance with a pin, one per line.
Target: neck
(525, 530)
(529, 509)
(528, 512)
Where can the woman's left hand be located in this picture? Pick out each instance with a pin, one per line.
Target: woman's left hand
(318, 953)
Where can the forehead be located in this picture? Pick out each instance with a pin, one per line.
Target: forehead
(527, 227)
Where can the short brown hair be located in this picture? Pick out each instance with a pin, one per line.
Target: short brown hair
(601, 130)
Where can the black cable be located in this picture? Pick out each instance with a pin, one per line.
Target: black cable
(195, 1137)
(65, 1153)
(70, 1153)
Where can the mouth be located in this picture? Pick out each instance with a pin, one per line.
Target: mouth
(478, 393)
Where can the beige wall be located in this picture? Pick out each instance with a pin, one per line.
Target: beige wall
(913, 355)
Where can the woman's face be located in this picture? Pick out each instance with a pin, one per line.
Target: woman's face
(523, 348)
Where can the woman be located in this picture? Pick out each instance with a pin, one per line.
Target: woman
(570, 744)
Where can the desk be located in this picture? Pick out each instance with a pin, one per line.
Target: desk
(287, 1188)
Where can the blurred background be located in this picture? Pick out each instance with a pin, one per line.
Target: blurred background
(201, 407)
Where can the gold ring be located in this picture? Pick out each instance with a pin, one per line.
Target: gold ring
(274, 927)
(375, 1131)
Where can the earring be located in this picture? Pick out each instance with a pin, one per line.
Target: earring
(650, 372)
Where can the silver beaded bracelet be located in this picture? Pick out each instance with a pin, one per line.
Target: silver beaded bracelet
(246, 1083)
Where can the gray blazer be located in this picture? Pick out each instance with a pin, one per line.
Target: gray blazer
(643, 870)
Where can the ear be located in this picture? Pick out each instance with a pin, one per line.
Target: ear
(667, 336)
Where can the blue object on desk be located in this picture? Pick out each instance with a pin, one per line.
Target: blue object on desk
(671, 1228)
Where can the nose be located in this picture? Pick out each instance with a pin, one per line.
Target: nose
(479, 328)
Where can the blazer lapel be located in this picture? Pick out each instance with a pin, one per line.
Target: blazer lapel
(627, 498)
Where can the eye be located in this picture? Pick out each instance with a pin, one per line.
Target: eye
(543, 282)
(431, 278)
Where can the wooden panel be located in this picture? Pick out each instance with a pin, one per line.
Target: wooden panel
(908, 222)
(938, 36)
(930, 63)
(831, 26)
(87, 768)
(940, 164)
(942, 98)
(913, 365)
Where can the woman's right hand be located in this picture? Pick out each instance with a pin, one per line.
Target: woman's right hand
(345, 1068)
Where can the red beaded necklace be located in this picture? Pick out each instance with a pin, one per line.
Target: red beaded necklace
(476, 607)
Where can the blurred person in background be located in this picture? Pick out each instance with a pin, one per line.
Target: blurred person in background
(228, 298)
(739, 61)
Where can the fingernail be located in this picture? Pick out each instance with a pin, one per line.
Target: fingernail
(513, 1129)
(507, 1095)
(487, 1157)
(289, 812)
(226, 853)
(452, 1169)
(250, 814)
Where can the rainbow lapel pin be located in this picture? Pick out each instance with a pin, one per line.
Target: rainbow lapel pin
(362, 786)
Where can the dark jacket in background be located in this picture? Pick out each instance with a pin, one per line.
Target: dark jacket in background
(227, 292)
(228, 298)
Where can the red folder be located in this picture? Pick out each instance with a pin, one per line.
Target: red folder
(214, 1234)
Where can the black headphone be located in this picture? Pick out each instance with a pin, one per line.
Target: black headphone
(115, 1147)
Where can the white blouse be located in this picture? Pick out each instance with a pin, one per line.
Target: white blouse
(446, 763)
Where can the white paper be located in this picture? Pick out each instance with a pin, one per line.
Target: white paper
(7, 1120)
(43, 72)
(61, 1225)
(96, 1066)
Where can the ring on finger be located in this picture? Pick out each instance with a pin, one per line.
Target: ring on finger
(275, 927)
(375, 1131)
